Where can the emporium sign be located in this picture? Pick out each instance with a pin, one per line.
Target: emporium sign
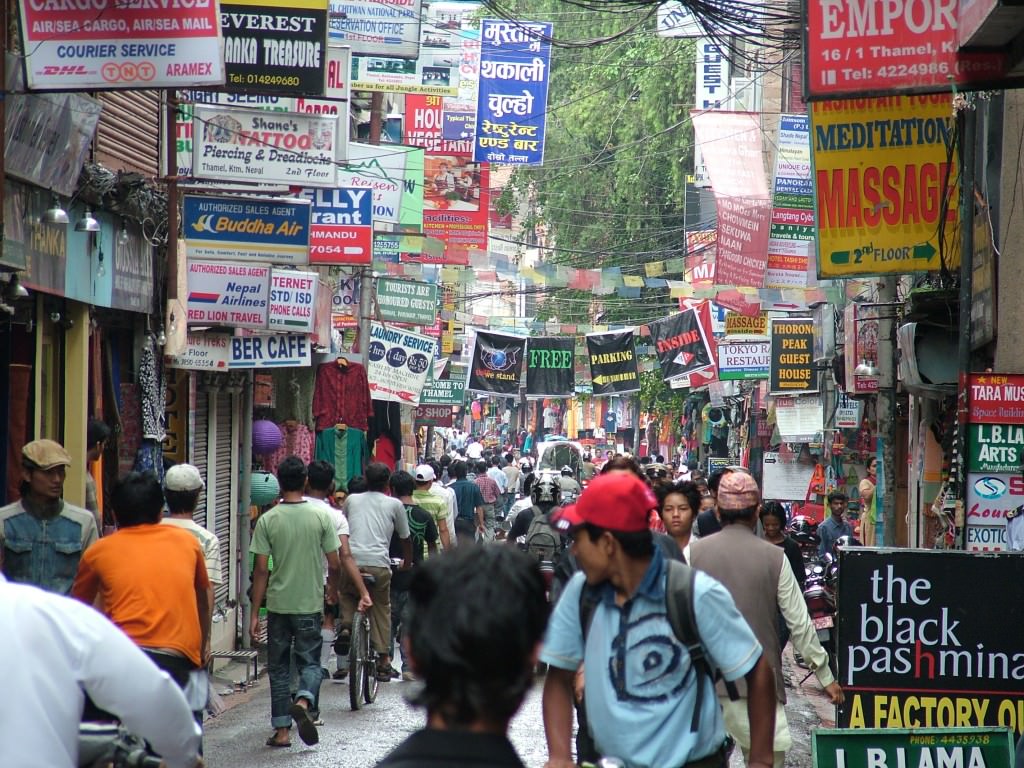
(853, 47)
(917, 646)
(263, 148)
(104, 44)
(237, 229)
(884, 182)
(996, 398)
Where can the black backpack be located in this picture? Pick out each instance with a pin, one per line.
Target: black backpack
(679, 607)
(542, 540)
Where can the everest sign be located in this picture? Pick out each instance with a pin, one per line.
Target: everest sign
(890, 46)
(103, 44)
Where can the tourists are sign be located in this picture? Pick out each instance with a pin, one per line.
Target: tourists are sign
(885, 186)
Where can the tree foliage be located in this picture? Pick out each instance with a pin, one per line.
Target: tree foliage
(618, 150)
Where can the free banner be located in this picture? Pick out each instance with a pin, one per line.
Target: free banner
(399, 364)
(919, 647)
(515, 57)
(496, 363)
(732, 150)
(613, 366)
(549, 367)
(680, 344)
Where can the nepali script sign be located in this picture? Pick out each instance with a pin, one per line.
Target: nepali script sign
(515, 59)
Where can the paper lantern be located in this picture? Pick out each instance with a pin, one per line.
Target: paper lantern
(266, 437)
(263, 488)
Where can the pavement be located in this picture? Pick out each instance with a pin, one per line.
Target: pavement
(360, 739)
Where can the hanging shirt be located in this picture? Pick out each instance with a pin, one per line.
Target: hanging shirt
(341, 396)
(297, 441)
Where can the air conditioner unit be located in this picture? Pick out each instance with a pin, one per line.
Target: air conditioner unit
(928, 358)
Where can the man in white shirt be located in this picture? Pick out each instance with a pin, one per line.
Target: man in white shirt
(182, 486)
(372, 518)
(449, 496)
(75, 650)
(475, 450)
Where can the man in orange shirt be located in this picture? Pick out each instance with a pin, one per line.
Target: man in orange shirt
(151, 581)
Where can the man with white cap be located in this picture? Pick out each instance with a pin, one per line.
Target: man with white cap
(43, 537)
(182, 486)
(762, 583)
(432, 502)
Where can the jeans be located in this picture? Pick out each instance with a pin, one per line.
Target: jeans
(489, 522)
(399, 601)
(289, 634)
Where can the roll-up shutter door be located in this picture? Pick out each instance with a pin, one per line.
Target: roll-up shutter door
(128, 134)
(224, 476)
(200, 446)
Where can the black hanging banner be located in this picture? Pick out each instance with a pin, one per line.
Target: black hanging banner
(613, 368)
(549, 367)
(496, 363)
(680, 344)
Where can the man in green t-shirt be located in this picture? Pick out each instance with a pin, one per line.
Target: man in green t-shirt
(295, 533)
(436, 505)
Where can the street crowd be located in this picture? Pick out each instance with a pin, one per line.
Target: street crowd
(659, 605)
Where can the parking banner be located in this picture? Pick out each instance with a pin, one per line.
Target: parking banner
(613, 365)
(496, 363)
(550, 366)
(399, 364)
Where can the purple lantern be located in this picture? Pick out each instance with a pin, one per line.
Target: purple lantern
(266, 437)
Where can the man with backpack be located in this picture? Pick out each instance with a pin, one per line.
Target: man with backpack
(652, 633)
(535, 522)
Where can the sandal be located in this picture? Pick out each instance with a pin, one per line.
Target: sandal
(273, 742)
(341, 642)
(304, 723)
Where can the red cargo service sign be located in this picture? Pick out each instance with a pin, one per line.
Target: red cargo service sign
(102, 44)
(890, 46)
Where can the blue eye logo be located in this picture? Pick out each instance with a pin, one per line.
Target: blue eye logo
(989, 487)
(499, 359)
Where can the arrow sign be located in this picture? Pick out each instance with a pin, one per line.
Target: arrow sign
(599, 380)
(840, 257)
(924, 251)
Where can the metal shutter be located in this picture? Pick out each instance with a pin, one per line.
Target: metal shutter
(128, 135)
(200, 430)
(223, 510)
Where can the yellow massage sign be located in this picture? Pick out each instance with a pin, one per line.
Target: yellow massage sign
(883, 184)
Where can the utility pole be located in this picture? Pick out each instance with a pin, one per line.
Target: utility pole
(366, 273)
(885, 411)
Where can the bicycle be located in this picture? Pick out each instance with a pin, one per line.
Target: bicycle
(362, 659)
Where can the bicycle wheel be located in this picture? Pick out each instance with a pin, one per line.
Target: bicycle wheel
(371, 682)
(357, 662)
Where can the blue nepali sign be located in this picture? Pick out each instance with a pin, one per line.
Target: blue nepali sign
(515, 58)
(239, 229)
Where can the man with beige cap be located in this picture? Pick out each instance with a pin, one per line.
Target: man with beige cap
(42, 536)
(762, 583)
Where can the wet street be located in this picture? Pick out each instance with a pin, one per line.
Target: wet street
(359, 739)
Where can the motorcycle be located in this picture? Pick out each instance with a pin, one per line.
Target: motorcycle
(109, 745)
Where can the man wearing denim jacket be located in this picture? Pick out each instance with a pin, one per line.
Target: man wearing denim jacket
(43, 537)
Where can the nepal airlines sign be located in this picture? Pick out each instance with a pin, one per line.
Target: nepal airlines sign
(103, 44)
(890, 46)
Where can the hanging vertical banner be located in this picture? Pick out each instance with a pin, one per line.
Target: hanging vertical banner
(732, 148)
(549, 367)
(399, 364)
(711, 92)
(791, 238)
(680, 345)
(496, 363)
(512, 100)
(613, 366)
(792, 368)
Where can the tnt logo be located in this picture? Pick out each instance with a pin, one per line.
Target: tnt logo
(64, 70)
(127, 72)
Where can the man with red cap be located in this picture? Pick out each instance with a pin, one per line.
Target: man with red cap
(762, 583)
(646, 703)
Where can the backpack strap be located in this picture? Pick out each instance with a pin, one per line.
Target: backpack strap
(589, 599)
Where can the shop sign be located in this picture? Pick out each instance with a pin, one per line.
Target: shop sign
(433, 415)
(878, 46)
(737, 324)
(742, 360)
(254, 146)
(433, 74)
(203, 352)
(996, 398)
(30, 244)
(405, 301)
(345, 299)
(424, 126)
(791, 237)
(342, 225)
(104, 44)
(918, 645)
(278, 46)
(377, 27)
(861, 344)
(237, 229)
(847, 412)
(456, 200)
(785, 478)
(512, 99)
(444, 392)
(990, 496)
(799, 419)
(132, 284)
(234, 295)
(995, 448)
(792, 370)
(176, 413)
(293, 298)
(912, 747)
(381, 171)
(711, 91)
(882, 174)
(400, 362)
(272, 351)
